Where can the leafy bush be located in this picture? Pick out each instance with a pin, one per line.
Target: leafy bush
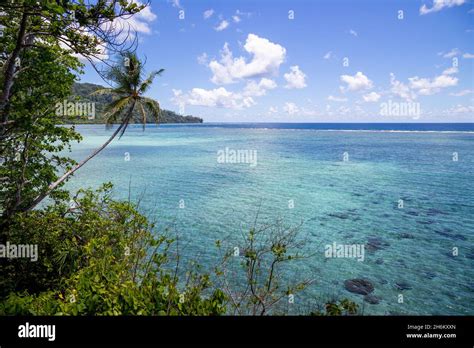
(338, 308)
(98, 256)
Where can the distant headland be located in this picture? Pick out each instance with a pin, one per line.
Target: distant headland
(82, 93)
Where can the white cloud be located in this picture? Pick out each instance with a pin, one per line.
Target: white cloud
(202, 59)
(266, 59)
(222, 25)
(208, 13)
(353, 32)
(423, 86)
(460, 109)
(218, 97)
(438, 5)
(127, 27)
(426, 86)
(237, 17)
(456, 52)
(244, 14)
(328, 55)
(272, 110)
(400, 89)
(453, 53)
(258, 89)
(290, 108)
(222, 98)
(462, 93)
(450, 71)
(337, 99)
(175, 3)
(357, 82)
(146, 14)
(295, 78)
(372, 97)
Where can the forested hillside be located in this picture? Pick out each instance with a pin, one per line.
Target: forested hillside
(84, 91)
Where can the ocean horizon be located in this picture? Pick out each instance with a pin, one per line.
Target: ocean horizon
(333, 126)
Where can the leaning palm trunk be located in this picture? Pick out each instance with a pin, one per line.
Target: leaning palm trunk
(55, 184)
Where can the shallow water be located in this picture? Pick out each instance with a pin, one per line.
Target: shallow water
(347, 202)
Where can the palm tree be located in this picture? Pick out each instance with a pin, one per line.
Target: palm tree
(128, 95)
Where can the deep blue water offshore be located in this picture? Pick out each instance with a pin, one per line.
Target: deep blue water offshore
(347, 202)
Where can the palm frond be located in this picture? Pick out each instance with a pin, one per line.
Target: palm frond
(153, 107)
(113, 110)
(147, 83)
(129, 73)
(128, 89)
(122, 77)
(102, 91)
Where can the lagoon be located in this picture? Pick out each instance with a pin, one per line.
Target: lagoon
(301, 177)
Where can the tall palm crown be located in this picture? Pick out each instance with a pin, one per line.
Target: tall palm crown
(128, 93)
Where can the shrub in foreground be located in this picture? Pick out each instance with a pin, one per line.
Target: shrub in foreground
(98, 256)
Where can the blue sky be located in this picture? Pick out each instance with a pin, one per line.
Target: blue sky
(310, 61)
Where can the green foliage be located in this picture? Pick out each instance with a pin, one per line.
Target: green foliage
(342, 307)
(72, 21)
(98, 257)
(31, 150)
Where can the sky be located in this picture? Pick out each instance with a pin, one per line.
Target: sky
(310, 60)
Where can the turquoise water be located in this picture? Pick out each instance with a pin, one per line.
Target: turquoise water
(347, 202)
